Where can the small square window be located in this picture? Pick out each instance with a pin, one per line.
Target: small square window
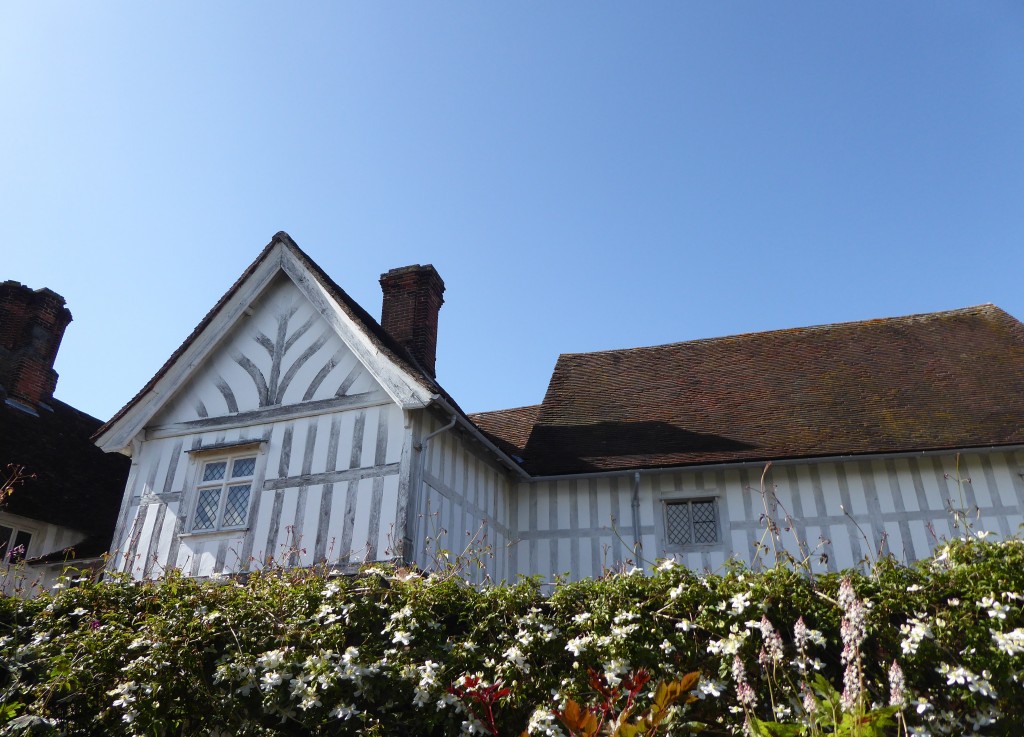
(222, 499)
(691, 522)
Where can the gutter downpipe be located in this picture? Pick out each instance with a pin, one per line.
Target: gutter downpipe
(421, 448)
(638, 545)
(478, 436)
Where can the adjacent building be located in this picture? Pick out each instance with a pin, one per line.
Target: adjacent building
(61, 510)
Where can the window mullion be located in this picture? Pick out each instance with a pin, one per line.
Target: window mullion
(693, 528)
(223, 502)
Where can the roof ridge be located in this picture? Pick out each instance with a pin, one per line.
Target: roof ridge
(914, 317)
(536, 405)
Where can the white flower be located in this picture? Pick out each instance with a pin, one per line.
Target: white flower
(614, 670)
(914, 632)
(667, 647)
(996, 610)
(730, 645)
(684, 624)
(309, 700)
(401, 637)
(270, 680)
(740, 602)
(668, 564)
(709, 687)
(78, 612)
(516, 656)
(578, 644)
(403, 613)
(543, 722)
(343, 711)
(271, 659)
(964, 677)
(1011, 643)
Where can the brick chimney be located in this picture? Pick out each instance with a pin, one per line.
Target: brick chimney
(413, 296)
(32, 323)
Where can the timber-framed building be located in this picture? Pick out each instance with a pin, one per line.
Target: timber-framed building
(291, 427)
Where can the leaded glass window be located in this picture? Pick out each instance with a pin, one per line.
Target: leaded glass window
(225, 488)
(691, 522)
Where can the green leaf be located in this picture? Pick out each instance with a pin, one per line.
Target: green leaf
(775, 729)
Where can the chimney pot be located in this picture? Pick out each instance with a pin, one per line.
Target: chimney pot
(413, 296)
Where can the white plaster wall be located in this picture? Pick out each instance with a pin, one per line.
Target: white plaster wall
(461, 506)
(832, 514)
(326, 490)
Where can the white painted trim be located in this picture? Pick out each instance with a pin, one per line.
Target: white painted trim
(400, 386)
(119, 435)
(197, 460)
(780, 462)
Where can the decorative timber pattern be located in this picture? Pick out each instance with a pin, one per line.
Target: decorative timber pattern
(834, 514)
(327, 441)
(282, 354)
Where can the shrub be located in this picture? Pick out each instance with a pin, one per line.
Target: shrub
(391, 652)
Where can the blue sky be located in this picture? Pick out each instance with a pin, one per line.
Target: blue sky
(584, 175)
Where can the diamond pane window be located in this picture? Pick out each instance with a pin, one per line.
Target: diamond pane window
(224, 493)
(704, 528)
(243, 467)
(214, 471)
(206, 509)
(691, 522)
(677, 523)
(237, 505)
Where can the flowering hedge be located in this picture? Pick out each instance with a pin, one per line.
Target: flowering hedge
(936, 648)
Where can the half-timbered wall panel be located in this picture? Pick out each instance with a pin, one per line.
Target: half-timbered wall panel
(283, 353)
(461, 507)
(831, 514)
(325, 488)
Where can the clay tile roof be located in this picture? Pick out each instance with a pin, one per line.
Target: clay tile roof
(508, 429)
(924, 382)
